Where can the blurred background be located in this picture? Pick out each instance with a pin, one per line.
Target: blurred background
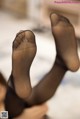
(16, 15)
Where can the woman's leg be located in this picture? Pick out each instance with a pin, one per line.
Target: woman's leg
(47, 87)
(35, 112)
(67, 55)
(24, 50)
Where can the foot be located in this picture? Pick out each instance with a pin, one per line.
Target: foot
(24, 50)
(66, 43)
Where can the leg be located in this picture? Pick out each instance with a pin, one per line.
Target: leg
(15, 102)
(66, 46)
(46, 88)
(11, 95)
(66, 42)
(28, 113)
(54, 77)
(24, 50)
(48, 85)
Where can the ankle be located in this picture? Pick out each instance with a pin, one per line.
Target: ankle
(60, 62)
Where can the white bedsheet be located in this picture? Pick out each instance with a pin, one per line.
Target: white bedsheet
(66, 102)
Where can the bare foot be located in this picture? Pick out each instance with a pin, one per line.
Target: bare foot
(66, 43)
(24, 50)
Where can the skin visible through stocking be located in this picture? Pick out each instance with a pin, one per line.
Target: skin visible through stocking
(67, 59)
(47, 87)
(66, 44)
(35, 112)
(24, 50)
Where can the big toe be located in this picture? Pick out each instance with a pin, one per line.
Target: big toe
(56, 18)
(30, 36)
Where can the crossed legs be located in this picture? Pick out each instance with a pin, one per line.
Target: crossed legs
(24, 49)
(28, 113)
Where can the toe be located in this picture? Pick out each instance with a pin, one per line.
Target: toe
(64, 19)
(26, 35)
(29, 35)
(18, 40)
(19, 32)
(56, 18)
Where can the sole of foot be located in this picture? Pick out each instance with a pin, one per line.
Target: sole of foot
(65, 40)
(24, 50)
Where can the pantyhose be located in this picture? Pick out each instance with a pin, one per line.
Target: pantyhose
(20, 95)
